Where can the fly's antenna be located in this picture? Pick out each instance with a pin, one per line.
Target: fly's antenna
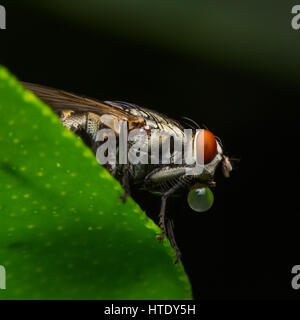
(193, 122)
(233, 161)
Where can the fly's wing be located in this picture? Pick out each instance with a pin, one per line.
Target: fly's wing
(110, 111)
(60, 100)
(80, 113)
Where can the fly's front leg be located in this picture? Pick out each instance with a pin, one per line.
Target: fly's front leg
(158, 176)
(125, 182)
(167, 227)
(162, 214)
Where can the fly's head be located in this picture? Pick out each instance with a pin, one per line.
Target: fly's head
(209, 155)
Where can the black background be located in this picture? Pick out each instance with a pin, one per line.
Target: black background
(246, 245)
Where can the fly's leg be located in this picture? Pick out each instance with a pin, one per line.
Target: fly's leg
(161, 221)
(125, 182)
(156, 176)
(167, 227)
(170, 234)
(162, 214)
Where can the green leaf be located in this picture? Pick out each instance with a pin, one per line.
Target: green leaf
(64, 232)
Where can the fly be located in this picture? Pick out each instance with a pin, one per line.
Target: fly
(86, 117)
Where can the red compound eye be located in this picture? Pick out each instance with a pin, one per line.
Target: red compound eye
(206, 142)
